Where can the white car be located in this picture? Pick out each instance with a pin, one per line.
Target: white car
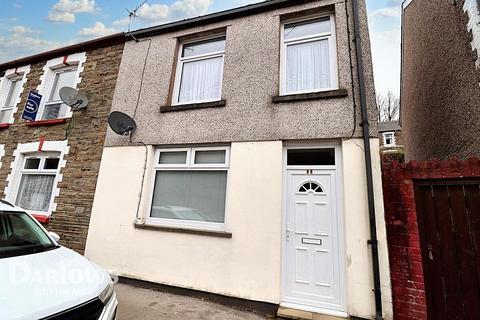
(41, 280)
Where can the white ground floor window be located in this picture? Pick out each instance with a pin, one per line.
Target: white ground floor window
(190, 187)
(33, 182)
(38, 174)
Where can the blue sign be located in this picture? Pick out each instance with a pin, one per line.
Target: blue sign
(31, 107)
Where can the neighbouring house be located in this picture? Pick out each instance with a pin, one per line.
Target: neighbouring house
(440, 89)
(49, 166)
(246, 176)
(391, 140)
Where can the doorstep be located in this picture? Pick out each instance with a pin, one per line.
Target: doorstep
(303, 315)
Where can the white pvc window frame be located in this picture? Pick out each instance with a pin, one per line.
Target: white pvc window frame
(189, 165)
(25, 150)
(5, 87)
(53, 87)
(39, 171)
(389, 135)
(47, 80)
(2, 153)
(9, 102)
(332, 45)
(182, 60)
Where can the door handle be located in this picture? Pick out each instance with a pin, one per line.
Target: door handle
(430, 252)
(288, 234)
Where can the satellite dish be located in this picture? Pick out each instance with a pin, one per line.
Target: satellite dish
(121, 123)
(73, 98)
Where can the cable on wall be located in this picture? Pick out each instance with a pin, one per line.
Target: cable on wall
(137, 217)
(351, 72)
(68, 129)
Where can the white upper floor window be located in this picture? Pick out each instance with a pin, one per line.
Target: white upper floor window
(389, 139)
(13, 92)
(54, 107)
(11, 88)
(58, 73)
(200, 72)
(308, 56)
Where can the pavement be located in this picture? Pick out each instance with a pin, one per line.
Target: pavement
(139, 303)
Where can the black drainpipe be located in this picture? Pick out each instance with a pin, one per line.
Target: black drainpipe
(373, 242)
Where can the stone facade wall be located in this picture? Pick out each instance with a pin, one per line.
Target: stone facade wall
(86, 137)
(440, 82)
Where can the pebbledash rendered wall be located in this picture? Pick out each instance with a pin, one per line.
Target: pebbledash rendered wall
(440, 93)
(250, 81)
(408, 287)
(85, 142)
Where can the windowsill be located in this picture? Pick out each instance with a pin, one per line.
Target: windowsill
(48, 122)
(4, 125)
(339, 93)
(211, 233)
(192, 106)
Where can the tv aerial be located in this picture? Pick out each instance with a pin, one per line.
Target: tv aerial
(132, 14)
(73, 98)
(121, 123)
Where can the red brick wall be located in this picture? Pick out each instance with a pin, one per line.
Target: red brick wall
(406, 268)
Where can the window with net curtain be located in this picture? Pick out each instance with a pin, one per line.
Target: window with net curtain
(14, 86)
(307, 56)
(190, 186)
(54, 107)
(36, 181)
(200, 73)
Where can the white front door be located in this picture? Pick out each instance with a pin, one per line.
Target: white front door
(313, 258)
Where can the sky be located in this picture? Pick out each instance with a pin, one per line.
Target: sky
(32, 26)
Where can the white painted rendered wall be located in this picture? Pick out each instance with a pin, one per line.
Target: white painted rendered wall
(247, 265)
(360, 296)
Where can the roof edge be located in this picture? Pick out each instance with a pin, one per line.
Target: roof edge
(74, 48)
(234, 13)
(406, 3)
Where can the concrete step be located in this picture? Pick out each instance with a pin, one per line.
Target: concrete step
(303, 315)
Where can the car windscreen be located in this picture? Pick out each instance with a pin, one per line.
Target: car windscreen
(20, 235)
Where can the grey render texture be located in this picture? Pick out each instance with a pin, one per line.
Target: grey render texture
(440, 96)
(251, 79)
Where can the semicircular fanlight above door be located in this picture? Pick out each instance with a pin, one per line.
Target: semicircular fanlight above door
(310, 186)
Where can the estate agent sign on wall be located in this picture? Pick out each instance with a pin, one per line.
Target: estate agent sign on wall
(31, 107)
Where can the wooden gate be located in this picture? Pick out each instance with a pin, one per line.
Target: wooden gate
(448, 214)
